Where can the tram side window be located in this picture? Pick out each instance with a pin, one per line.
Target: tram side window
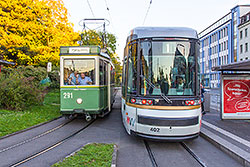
(132, 69)
(112, 74)
(105, 73)
(79, 72)
(101, 73)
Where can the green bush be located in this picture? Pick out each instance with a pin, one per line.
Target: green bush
(55, 78)
(39, 73)
(20, 88)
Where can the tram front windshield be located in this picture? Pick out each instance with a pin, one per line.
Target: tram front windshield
(79, 71)
(168, 67)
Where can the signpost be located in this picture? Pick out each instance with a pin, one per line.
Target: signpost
(49, 67)
(235, 99)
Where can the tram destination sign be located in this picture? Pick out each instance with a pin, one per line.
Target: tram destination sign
(235, 97)
(91, 49)
(79, 50)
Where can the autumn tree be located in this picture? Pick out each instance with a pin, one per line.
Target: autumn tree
(32, 31)
(92, 37)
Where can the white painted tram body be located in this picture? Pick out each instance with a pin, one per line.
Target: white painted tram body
(160, 86)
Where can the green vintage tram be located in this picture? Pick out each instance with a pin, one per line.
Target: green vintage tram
(86, 81)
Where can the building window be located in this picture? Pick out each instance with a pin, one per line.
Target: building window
(246, 47)
(241, 48)
(246, 32)
(240, 34)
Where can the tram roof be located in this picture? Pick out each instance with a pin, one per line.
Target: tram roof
(162, 32)
(82, 50)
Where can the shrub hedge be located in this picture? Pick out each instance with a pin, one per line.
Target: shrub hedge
(20, 87)
(55, 78)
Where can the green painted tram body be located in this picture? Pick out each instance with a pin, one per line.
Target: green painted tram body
(96, 99)
(91, 103)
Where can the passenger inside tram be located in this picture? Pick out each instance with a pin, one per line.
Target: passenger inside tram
(73, 78)
(84, 80)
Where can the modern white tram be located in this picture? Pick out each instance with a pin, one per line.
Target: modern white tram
(160, 86)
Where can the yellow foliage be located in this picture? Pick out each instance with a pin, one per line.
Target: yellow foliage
(32, 31)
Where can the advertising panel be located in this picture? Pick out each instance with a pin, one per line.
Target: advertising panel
(235, 97)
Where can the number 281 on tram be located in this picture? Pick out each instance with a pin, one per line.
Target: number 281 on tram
(160, 86)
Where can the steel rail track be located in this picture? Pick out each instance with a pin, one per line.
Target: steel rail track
(35, 137)
(193, 154)
(28, 158)
(150, 153)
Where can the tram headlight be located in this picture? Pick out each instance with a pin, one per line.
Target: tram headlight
(192, 102)
(144, 101)
(133, 100)
(150, 102)
(79, 101)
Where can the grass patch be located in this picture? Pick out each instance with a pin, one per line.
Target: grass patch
(12, 121)
(91, 155)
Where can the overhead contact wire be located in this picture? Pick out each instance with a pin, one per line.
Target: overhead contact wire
(90, 8)
(111, 20)
(147, 12)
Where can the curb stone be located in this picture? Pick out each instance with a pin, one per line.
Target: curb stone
(235, 152)
(114, 156)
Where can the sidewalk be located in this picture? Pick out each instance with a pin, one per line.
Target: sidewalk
(239, 128)
(232, 136)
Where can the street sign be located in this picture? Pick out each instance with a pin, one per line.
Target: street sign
(49, 67)
(235, 97)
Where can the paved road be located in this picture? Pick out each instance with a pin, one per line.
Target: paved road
(131, 151)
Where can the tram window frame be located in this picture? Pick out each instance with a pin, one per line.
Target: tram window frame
(124, 72)
(198, 69)
(132, 75)
(93, 78)
(101, 72)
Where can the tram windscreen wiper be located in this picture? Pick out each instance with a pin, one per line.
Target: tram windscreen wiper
(166, 98)
(153, 86)
(148, 82)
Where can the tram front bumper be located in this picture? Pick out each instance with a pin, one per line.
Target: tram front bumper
(164, 138)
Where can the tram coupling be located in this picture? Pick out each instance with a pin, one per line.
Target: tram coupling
(88, 117)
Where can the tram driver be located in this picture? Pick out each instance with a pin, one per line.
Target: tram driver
(84, 80)
(180, 83)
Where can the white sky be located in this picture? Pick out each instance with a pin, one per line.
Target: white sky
(128, 14)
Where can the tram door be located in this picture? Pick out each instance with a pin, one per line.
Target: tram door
(103, 84)
(109, 89)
